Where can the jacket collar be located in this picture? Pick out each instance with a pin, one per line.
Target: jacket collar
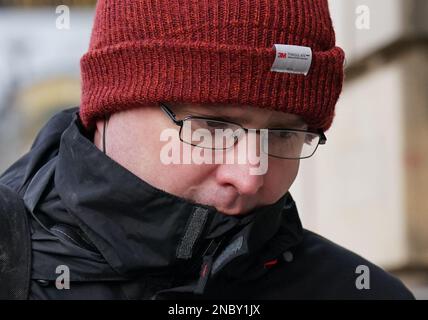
(140, 229)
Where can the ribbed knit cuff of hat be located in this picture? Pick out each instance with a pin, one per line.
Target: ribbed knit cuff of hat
(201, 66)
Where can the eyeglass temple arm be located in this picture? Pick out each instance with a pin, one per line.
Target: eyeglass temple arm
(323, 138)
(170, 114)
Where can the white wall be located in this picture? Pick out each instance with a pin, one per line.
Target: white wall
(386, 24)
(353, 190)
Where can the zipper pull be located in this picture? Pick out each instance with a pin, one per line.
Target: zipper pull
(207, 263)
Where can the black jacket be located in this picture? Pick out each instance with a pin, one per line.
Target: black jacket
(122, 238)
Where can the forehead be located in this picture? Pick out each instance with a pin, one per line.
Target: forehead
(244, 114)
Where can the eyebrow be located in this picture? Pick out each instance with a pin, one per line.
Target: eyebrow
(288, 123)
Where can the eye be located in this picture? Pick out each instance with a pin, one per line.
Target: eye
(287, 134)
(216, 124)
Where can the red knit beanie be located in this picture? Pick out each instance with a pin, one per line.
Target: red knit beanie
(211, 51)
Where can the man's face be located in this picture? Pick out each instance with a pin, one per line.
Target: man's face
(133, 140)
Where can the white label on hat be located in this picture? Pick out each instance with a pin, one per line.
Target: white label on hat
(292, 59)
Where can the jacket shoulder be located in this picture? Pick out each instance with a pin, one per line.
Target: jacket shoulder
(43, 148)
(321, 269)
(361, 277)
(54, 127)
(15, 246)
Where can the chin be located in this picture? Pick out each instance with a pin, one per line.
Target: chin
(234, 211)
(231, 205)
(231, 213)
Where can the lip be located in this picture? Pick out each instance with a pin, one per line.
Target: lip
(228, 202)
(225, 199)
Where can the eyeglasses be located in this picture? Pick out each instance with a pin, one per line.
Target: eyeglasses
(278, 143)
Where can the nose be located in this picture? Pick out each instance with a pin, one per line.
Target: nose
(238, 176)
(239, 173)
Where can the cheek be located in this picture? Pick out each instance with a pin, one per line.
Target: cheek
(176, 178)
(182, 179)
(279, 178)
(134, 141)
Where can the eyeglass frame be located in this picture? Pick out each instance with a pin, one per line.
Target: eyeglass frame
(165, 108)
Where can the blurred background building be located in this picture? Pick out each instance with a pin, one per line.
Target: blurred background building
(367, 189)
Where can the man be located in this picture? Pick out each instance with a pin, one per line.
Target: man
(131, 195)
